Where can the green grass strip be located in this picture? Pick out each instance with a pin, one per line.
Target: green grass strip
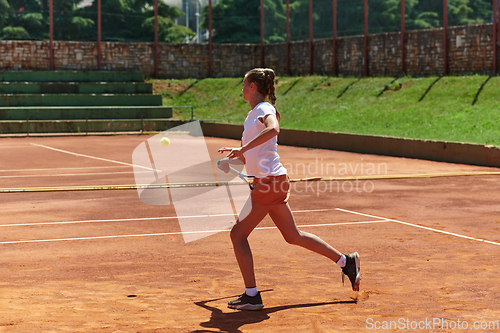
(455, 108)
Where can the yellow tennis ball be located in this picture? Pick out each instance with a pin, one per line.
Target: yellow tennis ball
(165, 142)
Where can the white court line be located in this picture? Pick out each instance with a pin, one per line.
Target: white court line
(93, 157)
(143, 219)
(379, 220)
(114, 220)
(173, 233)
(328, 224)
(421, 227)
(164, 233)
(75, 174)
(59, 169)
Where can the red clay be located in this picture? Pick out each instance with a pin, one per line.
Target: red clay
(410, 275)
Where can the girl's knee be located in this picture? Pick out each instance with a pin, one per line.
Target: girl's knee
(295, 238)
(236, 235)
(233, 235)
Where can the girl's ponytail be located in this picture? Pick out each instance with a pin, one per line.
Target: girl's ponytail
(264, 79)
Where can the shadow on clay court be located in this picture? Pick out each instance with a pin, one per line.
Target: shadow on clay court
(231, 322)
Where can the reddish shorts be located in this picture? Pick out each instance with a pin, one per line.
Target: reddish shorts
(271, 190)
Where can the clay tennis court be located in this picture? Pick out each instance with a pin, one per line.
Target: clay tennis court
(103, 261)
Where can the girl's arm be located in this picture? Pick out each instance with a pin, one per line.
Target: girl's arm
(272, 129)
(224, 163)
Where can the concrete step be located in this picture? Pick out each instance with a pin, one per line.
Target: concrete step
(82, 127)
(79, 100)
(70, 76)
(83, 113)
(75, 88)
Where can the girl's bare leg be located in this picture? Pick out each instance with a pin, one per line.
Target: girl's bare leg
(283, 218)
(239, 237)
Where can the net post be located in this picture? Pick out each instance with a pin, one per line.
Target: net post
(27, 122)
(142, 121)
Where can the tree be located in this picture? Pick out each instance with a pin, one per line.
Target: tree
(122, 20)
(168, 31)
(21, 19)
(275, 21)
(126, 20)
(4, 12)
(15, 33)
(299, 19)
(237, 21)
(465, 12)
(234, 21)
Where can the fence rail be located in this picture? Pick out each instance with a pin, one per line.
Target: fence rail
(327, 29)
(496, 29)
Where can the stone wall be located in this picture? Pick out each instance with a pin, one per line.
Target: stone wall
(24, 55)
(469, 51)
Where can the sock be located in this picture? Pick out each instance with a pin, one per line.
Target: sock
(342, 261)
(252, 292)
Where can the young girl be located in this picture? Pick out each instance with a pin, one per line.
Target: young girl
(270, 195)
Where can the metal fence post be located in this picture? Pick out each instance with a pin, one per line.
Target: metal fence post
(51, 33)
(403, 70)
(495, 36)
(311, 65)
(156, 40)
(209, 38)
(98, 34)
(288, 37)
(262, 33)
(366, 38)
(445, 36)
(334, 37)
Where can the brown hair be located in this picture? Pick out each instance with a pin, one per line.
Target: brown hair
(264, 80)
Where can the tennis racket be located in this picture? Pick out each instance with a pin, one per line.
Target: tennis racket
(250, 180)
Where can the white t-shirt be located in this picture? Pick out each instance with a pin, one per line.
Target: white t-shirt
(263, 160)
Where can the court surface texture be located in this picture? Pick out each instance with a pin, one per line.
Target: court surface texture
(94, 259)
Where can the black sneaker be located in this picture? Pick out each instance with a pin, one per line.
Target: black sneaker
(351, 269)
(245, 302)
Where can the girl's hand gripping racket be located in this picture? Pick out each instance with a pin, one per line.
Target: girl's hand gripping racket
(250, 180)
